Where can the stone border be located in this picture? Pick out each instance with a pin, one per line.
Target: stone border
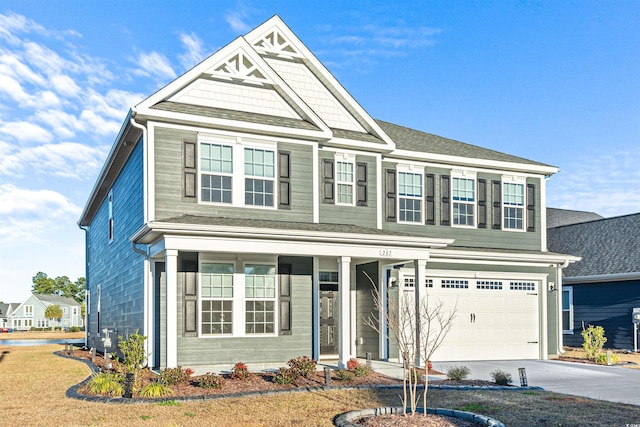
(345, 420)
(73, 392)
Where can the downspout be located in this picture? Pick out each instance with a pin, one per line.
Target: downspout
(560, 267)
(86, 276)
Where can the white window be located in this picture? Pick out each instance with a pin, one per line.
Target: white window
(216, 166)
(409, 197)
(345, 179)
(28, 310)
(513, 206)
(567, 309)
(259, 171)
(216, 287)
(260, 294)
(111, 224)
(464, 201)
(65, 310)
(74, 311)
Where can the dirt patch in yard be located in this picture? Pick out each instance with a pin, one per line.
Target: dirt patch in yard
(577, 355)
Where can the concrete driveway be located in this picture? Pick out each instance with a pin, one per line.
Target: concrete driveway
(611, 383)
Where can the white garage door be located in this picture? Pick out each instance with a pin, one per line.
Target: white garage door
(495, 319)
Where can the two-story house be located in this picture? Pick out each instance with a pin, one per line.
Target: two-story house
(31, 313)
(242, 204)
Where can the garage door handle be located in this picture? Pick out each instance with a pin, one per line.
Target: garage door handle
(532, 342)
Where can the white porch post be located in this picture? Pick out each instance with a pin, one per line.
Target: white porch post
(316, 308)
(171, 260)
(344, 306)
(420, 267)
(383, 348)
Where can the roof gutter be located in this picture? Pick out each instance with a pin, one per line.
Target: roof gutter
(618, 277)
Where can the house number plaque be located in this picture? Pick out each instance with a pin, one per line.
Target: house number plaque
(385, 252)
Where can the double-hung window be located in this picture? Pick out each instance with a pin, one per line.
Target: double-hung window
(464, 201)
(259, 171)
(345, 182)
(410, 197)
(216, 165)
(28, 310)
(567, 310)
(217, 298)
(260, 298)
(513, 206)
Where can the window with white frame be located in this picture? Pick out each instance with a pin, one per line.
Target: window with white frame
(260, 298)
(65, 310)
(513, 206)
(464, 201)
(410, 197)
(567, 310)
(28, 310)
(344, 182)
(216, 288)
(216, 166)
(259, 171)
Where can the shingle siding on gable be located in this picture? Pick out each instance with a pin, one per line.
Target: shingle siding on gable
(114, 266)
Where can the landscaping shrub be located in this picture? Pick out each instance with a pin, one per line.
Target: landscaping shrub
(109, 383)
(75, 329)
(155, 389)
(362, 370)
(594, 341)
(240, 371)
(415, 375)
(501, 377)
(458, 373)
(352, 364)
(303, 366)
(345, 375)
(602, 359)
(173, 376)
(210, 380)
(285, 376)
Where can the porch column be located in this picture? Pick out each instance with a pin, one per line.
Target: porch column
(420, 267)
(171, 263)
(149, 280)
(344, 305)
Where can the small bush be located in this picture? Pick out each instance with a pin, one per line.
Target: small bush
(362, 370)
(344, 375)
(75, 329)
(285, 376)
(107, 383)
(501, 377)
(240, 371)
(156, 389)
(352, 364)
(594, 341)
(303, 366)
(415, 375)
(173, 376)
(602, 359)
(210, 380)
(458, 373)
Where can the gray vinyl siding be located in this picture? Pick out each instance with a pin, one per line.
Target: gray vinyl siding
(195, 351)
(365, 307)
(169, 200)
(114, 265)
(608, 305)
(364, 216)
(473, 237)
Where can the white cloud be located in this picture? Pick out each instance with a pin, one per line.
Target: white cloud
(154, 65)
(236, 22)
(12, 23)
(65, 86)
(194, 50)
(32, 214)
(26, 132)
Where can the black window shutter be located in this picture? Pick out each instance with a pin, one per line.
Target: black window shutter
(496, 199)
(285, 298)
(190, 300)
(328, 181)
(284, 180)
(361, 184)
(445, 200)
(189, 172)
(390, 187)
(431, 199)
(531, 207)
(482, 203)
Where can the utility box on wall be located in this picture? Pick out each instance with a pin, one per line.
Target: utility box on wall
(635, 316)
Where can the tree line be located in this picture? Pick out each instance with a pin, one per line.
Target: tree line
(60, 286)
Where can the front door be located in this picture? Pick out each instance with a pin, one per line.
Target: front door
(328, 319)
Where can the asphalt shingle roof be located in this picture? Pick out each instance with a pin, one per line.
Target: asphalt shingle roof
(607, 246)
(558, 217)
(54, 299)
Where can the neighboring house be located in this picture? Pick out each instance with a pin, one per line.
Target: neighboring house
(5, 311)
(242, 204)
(604, 287)
(558, 217)
(31, 313)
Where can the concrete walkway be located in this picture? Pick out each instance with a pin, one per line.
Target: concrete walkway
(611, 383)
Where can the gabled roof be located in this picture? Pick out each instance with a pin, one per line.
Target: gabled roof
(54, 299)
(559, 217)
(609, 246)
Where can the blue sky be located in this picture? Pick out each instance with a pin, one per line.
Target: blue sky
(552, 81)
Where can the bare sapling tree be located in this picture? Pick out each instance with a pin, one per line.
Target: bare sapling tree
(402, 318)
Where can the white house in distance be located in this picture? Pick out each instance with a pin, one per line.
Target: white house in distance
(243, 206)
(30, 314)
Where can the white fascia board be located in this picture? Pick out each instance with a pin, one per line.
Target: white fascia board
(310, 59)
(618, 277)
(546, 259)
(482, 275)
(450, 161)
(240, 125)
